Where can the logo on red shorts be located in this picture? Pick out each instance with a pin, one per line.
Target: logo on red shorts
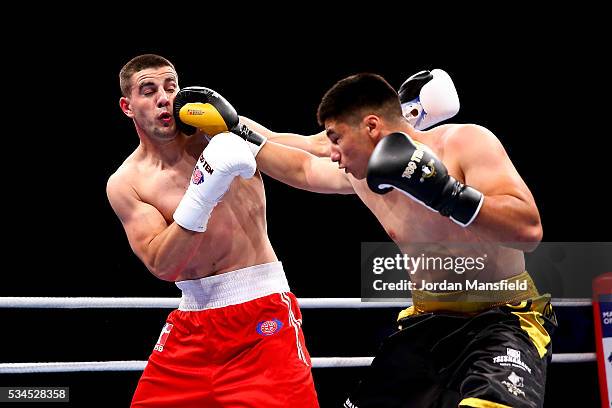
(269, 327)
(163, 337)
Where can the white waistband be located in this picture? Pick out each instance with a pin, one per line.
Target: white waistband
(234, 287)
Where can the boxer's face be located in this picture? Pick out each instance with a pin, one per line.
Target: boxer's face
(350, 146)
(150, 101)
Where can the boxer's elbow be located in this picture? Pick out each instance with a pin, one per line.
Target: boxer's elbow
(164, 267)
(165, 272)
(522, 222)
(529, 235)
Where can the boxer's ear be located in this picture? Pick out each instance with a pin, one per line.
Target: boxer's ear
(373, 125)
(124, 104)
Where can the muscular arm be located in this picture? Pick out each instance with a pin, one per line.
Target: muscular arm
(317, 145)
(164, 249)
(509, 213)
(302, 170)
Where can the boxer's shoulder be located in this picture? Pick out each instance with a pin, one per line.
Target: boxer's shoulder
(125, 173)
(119, 185)
(458, 137)
(126, 179)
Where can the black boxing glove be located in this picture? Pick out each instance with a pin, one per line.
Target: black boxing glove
(398, 162)
(204, 109)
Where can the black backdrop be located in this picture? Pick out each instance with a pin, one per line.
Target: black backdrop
(533, 93)
(535, 90)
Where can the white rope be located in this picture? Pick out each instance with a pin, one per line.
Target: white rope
(349, 303)
(334, 362)
(172, 303)
(136, 365)
(17, 368)
(87, 302)
(573, 357)
(571, 302)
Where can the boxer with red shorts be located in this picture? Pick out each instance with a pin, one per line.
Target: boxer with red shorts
(236, 338)
(194, 212)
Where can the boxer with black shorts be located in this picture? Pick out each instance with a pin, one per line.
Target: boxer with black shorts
(453, 183)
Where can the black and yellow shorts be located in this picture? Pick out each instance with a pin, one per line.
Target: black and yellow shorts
(495, 358)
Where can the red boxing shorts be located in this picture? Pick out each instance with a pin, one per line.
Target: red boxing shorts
(235, 341)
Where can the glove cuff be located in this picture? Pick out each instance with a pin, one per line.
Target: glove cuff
(192, 214)
(469, 203)
(460, 202)
(254, 139)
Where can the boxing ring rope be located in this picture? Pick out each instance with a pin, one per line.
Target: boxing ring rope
(172, 303)
(139, 365)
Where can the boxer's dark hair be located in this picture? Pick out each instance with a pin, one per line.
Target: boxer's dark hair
(357, 95)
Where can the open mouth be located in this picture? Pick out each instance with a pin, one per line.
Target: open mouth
(165, 117)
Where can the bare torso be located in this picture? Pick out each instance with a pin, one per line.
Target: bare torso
(236, 236)
(408, 222)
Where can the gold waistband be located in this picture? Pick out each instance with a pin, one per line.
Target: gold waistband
(471, 301)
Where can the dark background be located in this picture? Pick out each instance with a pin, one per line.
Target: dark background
(535, 89)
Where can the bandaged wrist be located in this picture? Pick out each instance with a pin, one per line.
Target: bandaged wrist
(193, 214)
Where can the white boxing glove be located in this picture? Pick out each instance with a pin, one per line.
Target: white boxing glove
(226, 156)
(428, 98)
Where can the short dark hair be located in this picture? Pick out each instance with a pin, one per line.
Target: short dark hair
(357, 95)
(138, 64)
